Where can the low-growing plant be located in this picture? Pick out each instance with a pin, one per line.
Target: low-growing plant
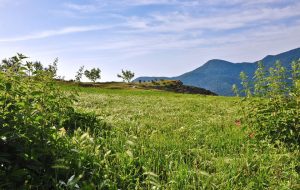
(272, 103)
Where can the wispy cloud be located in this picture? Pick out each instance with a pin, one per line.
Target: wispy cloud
(58, 32)
(187, 16)
(184, 21)
(85, 8)
(183, 30)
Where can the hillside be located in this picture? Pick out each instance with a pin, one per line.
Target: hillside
(219, 75)
(162, 85)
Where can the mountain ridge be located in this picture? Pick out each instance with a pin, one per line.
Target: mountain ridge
(219, 75)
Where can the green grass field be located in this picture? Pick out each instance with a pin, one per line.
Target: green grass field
(181, 141)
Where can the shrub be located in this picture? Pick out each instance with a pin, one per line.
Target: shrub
(44, 142)
(271, 103)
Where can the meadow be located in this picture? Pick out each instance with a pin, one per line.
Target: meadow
(182, 141)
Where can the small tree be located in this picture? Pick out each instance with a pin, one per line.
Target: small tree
(79, 74)
(126, 75)
(93, 74)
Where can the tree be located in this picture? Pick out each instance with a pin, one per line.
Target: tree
(79, 74)
(126, 75)
(93, 74)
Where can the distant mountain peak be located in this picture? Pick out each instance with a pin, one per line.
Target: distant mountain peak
(218, 75)
(268, 57)
(217, 61)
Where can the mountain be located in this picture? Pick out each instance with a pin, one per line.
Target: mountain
(219, 75)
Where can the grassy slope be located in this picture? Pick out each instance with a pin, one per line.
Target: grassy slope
(189, 141)
(164, 85)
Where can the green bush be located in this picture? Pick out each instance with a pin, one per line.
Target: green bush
(271, 103)
(44, 142)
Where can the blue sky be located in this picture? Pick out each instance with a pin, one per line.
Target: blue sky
(149, 37)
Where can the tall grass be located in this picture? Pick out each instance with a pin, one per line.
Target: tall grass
(176, 141)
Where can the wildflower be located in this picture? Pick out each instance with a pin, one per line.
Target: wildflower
(251, 135)
(238, 122)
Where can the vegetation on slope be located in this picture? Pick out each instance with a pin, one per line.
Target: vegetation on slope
(163, 85)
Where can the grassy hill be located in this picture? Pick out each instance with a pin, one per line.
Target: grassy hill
(161, 85)
(166, 140)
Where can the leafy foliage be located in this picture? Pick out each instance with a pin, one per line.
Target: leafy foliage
(272, 103)
(41, 142)
(126, 75)
(93, 74)
(12, 64)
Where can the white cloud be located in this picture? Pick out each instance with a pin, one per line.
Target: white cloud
(58, 32)
(187, 15)
(179, 22)
(84, 8)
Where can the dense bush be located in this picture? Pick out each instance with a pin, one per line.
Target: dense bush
(272, 103)
(44, 142)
